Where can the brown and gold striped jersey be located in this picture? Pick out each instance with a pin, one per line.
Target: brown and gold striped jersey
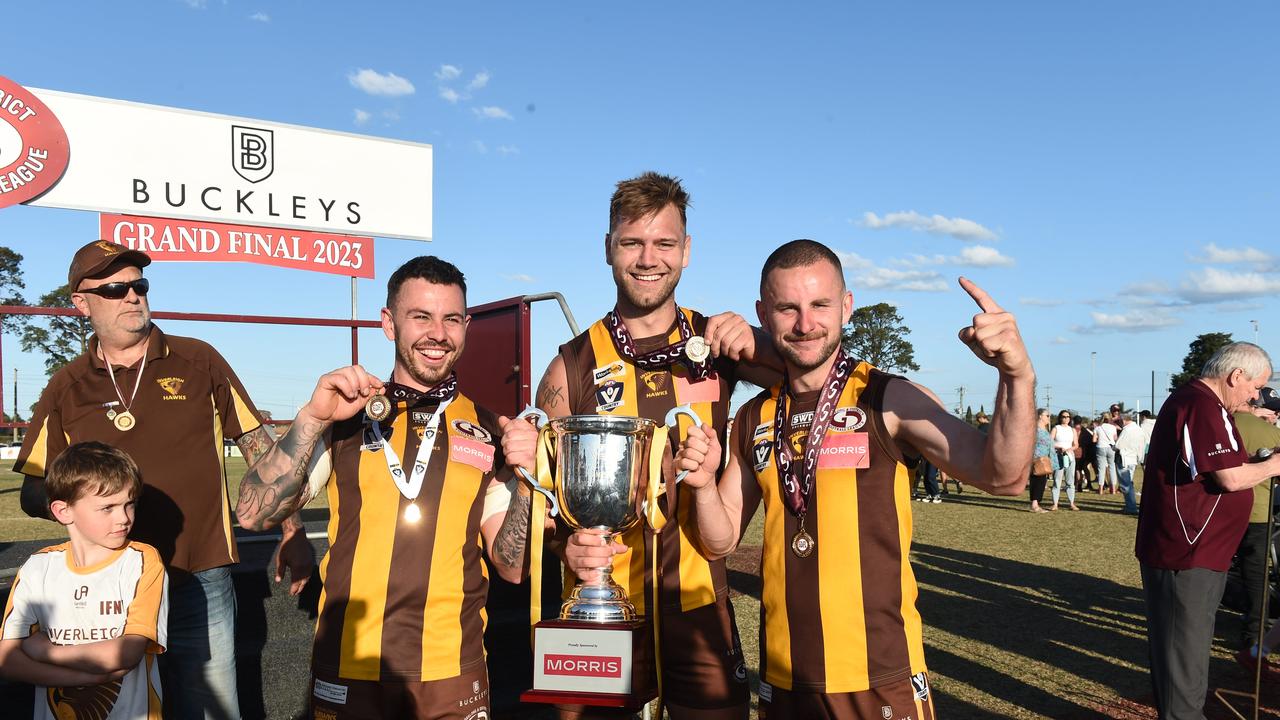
(844, 618)
(603, 382)
(404, 599)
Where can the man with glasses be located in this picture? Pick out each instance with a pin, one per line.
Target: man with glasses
(168, 401)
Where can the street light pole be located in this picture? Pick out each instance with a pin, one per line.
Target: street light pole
(1093, 407)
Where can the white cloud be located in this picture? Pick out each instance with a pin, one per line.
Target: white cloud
(260, 17)
(974, 256)
(911, 280)
(374, 83)
(852, 261)
(1215, 255)
(450, 95)
(491, 112)
(362, 117)
(1153, 287)
(1059, 341)
(1134, 321)
(507, 150)
(480, 80)
(1041, 302)
(520, 277)
(959, 228)
(447, 73)
(1214, 285)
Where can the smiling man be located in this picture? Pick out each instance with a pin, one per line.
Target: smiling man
(828, 451)
(417, 488)
(168, 401)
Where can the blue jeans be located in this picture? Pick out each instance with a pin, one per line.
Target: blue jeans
(1066, 475)
(198, 668)
(1126, 488)
(1105, 457)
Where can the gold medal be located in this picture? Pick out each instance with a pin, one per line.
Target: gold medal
(412, 513)
(697, 349)
(124, 421)
(802, 544)
(378, 408)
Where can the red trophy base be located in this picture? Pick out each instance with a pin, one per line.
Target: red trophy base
(599, 664)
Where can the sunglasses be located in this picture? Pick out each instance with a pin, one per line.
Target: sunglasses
(118, 290)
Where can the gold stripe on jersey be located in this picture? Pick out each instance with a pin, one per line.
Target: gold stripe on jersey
(244, 416)
(442, 616)
(840, 619)
(38, 460)
(697, 587)
(361, 656)
(227, 532)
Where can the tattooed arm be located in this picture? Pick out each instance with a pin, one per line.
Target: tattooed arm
(275, 484)
(553, 392)
(294, 555)
(506, 532)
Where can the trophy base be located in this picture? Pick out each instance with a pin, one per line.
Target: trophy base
(602, 665)
(602, 603)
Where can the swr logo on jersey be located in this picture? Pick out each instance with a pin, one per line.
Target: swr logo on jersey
(471, 430)
(612, 370)
(172, 386)
(252, 152)
(609, 396)
(582, 665)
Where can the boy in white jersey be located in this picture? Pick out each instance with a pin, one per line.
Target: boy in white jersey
(86, 618)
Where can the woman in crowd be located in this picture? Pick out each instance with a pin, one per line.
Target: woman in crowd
(1041, 458)
(1065, 443)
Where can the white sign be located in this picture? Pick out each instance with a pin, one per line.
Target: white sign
(590, 659)
(137, 159)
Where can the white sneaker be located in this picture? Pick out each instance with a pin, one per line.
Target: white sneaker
(936, 498)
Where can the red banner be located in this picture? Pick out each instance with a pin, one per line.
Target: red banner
(193, 241)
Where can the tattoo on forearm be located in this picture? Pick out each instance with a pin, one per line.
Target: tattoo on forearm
(272, 490)
(549, 396)
(253, 444)
(513, 537)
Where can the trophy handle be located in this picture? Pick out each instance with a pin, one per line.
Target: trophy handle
(541, 424)
(672, 421)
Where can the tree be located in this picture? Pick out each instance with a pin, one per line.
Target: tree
(875, 333)
(62, 338)
(11, 286)
(1202, 348)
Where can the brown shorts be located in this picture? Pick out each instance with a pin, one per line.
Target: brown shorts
(702, 666)
(463, 697)
(910, 699)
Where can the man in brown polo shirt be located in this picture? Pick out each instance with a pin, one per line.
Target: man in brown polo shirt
(168, 401)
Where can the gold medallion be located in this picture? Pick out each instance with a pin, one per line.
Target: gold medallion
(378, 408)
(802, 544)
(697, 349)
(124, 421)
(412, 513)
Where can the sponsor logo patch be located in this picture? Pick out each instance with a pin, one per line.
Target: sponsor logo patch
(762, 430)
(920, 683)
(609, 396)
(886, 712)
(847, 419)
(845, 450)
(614, 369)
(707, 390)
(603, 666)
(329, 692)
(471, 452)
(766, 691)
(760, 452)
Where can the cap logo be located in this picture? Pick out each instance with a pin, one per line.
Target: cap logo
(109, 248)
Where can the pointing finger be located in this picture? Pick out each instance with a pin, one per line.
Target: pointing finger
(980, 296)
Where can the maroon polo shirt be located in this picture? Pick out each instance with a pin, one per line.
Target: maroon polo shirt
(188, 400)
(1186, 520)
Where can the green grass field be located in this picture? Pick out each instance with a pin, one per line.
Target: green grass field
(1026, 615)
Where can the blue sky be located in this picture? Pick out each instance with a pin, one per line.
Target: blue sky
(1107, 171)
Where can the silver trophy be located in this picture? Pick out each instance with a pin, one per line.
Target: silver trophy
(601, 473)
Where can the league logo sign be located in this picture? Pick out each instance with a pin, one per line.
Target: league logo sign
(252, 152)
(33, 145)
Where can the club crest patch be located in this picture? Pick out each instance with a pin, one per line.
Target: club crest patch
(471, 430)
(760, 454)
(609, 396)
(920, 683)
(848, 419)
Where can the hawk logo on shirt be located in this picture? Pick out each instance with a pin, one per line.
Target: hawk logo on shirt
(172, 386)
(91, 702)
(655, 382)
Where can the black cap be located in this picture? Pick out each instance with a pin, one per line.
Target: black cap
(1268, 398)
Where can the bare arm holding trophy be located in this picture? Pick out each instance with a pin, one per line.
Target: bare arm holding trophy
(826, 452)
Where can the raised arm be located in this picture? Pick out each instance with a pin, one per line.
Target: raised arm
(730, 335)
(721, 509)
(275, 486)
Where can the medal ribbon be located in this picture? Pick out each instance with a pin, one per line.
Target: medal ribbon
(662, 357)
(446, 390)
(136, 383)
(412, 485)
(796, 490)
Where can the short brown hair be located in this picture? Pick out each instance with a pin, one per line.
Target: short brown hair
(799, 253)
(645, 195)
(91, 468)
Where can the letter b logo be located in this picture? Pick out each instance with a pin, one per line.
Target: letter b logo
(252, 152)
